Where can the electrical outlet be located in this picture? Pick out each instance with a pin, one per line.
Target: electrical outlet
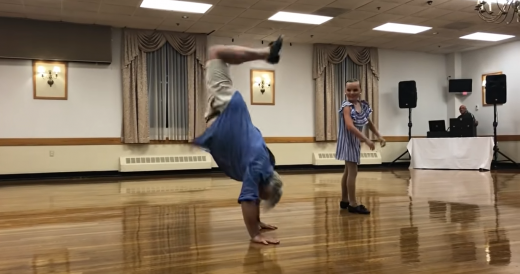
(51, 153)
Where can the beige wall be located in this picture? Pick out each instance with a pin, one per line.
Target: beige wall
(37, 159)
(94, 110)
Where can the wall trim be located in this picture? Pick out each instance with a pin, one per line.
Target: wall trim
(500, 138)
(289, 139)
(117, 140)
(59, 141)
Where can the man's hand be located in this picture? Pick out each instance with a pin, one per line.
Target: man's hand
(267, 226)
(261, 239)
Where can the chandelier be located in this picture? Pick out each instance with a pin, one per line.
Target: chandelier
(502, 10)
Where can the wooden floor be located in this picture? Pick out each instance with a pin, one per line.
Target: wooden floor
(422, 222)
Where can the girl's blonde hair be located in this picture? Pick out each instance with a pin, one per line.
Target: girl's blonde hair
(353, 80)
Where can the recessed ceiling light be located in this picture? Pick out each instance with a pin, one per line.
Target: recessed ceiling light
(172, 5)
(299, 18)
(483, 36)
(402, 28)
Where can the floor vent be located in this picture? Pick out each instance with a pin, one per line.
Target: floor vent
(171, 162)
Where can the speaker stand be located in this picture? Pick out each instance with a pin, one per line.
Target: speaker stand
(409, 138)
(496, 150)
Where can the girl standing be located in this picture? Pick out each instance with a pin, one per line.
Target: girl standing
(353, 117)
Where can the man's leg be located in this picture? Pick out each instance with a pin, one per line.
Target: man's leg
(219, 87)
(218, 79)
(235, 55)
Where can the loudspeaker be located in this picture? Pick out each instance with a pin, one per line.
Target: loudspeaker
(468, 130)
(496, 89)
(407, 94)
(462, 127)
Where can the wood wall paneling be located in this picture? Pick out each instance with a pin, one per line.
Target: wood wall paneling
(117, 140)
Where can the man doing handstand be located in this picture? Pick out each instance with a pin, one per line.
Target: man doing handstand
(234, 142)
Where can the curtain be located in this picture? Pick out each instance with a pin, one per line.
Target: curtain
(167, 73)
(136, 106)
(325, 57)
(343, 72)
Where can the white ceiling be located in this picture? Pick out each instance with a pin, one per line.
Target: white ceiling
(450, 19)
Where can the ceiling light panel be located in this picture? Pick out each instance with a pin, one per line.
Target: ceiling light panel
(402, 28)
(490, 37)
(180, 6)
(301, 18)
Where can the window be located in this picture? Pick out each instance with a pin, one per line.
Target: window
(167, 72)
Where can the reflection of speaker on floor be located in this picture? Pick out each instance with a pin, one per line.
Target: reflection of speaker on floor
(464, 213)
(462, 250)
(409, 243)
(437, 210)
(499, 248)
(407, 94)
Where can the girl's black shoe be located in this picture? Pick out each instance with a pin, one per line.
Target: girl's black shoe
(360, 209)
(343, 205)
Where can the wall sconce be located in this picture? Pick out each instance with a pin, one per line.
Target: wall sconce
(262, 82)
(262, 87)
(50, 76)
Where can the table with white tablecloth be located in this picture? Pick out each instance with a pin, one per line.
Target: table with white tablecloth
(451, 153)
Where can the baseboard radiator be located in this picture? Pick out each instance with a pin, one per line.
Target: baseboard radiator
(166, 162)
(368, 157)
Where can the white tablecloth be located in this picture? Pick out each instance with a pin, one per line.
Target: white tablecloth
(451, 153)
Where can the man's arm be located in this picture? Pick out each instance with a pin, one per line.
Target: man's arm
(249, 202)
(474, 119)
(248, 199)
(251, 214)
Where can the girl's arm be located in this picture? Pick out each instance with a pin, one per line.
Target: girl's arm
(373, 128)
(350, 125)
(376, 132)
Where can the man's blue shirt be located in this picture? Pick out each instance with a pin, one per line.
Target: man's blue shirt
(238, 148)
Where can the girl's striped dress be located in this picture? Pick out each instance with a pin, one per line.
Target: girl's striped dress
(348, 147)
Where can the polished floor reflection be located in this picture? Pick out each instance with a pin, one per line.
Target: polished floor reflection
(423, 222)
